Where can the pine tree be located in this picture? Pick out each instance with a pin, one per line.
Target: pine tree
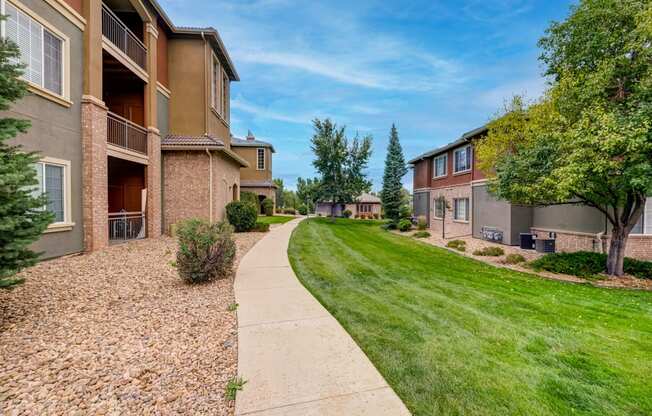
(23, 218)
(395, 169)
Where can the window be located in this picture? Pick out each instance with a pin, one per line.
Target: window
(41, 51)
(644, 224)
(461, 211)
(260, 162)
(440, 206)
(439, 166)
(215, 86)
(225, 97)
(53, 182)
(462, 159)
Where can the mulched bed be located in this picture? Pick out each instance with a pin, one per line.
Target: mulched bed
(118, 332)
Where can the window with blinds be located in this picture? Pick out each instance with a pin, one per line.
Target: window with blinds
(215, 86)
(41, 51)
(461, 209)
(261, 159)
(51, 183)
(225, 97)
(463, 159)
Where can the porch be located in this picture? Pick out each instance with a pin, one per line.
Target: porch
(127, 198)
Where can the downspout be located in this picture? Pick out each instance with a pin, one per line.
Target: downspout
(206, 87)
(210, 185)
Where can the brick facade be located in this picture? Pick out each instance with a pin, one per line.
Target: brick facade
(452, 228)
(153, 183)
(95, 171)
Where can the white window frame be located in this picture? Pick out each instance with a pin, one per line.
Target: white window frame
(67, 223)
(434, 166)
(434, 204)
(63, 98)
(258, 153)
(468, 208)
(470, 157)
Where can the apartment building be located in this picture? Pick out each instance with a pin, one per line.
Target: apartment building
(130, 114)
(257, 177)
(452, 193)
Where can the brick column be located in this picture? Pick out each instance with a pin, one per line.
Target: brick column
(153, 183)
(95, 173)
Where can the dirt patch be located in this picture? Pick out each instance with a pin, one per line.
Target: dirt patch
(473, 244)
(118, 332)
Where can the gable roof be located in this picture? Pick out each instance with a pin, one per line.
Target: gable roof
(465, 138)
(238, 142)
(365, 198)
(175, 142)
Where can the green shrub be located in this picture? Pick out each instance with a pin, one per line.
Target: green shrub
(389, 226)
(268, 207)
(290, 211)
(459, 245)
(514, 259)
(491, 251)
(261, 227)
(242, 215)
(250, 198)
(347, 213)
(303, 210)
(405, 212)
(422, 223)
(404, 225)
(588, 264)
(422, 234)
(637, 268)
(206, 251)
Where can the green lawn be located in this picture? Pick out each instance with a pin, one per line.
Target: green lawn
(276, 219)
(454, 336)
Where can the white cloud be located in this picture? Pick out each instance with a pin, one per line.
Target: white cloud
(264, 112)
(494, 98)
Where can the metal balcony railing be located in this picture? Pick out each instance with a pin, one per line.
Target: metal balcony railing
(126, 134)
(123, 38)
(125, 226)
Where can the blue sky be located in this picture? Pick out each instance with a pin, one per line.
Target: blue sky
(435, 68)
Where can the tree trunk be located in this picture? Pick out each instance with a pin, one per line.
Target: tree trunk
(616, 255)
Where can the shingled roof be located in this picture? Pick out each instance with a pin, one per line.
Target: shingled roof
(466, 137)
(250, 141)
(257, 184)
(185, 141)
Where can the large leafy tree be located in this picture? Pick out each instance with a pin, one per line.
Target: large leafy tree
(395, 170)
(22, 217)
(280, 189)
(308, 192)
(340, 162)
(589, 139)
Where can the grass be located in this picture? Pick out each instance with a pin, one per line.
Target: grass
(234, 385)
(454, 336)
(276, 219)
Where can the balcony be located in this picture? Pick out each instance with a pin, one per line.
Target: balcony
(126, 134)
(125, 226)
(124, 39)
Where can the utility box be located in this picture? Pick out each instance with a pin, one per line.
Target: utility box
(527, 241)
(545, 245)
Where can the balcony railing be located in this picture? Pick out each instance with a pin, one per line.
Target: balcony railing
(125, 226)
(126, 134)
(123, 38)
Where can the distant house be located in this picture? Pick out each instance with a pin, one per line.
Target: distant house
(257, 177)
(366, 205)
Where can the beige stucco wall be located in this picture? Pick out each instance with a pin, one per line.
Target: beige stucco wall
(186, 185)
(250, 155)
(452, 228)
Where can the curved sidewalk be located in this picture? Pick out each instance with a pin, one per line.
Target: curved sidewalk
(295, 356)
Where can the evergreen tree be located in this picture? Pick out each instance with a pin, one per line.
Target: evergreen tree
(395, 169)
(280, 192)
(22, 217)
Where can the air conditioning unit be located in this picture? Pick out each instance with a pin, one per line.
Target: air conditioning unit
(545, 245)
(492, 234)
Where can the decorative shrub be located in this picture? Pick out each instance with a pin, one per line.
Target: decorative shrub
(514, 259)
(404, 212)
(389, 226)
(261, 227)
(422, 234)
(291, 211)
(206, 251)
(491, 251)
(422, 223)
(268, 207)
(404, 225)
(588, 264)
(250, 198)
(303, 210)
(637, 268)
(459, 245)
(347, 213)
(242, 215)
(376, 216)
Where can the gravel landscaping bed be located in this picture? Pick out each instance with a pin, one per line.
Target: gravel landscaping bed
(118, 332)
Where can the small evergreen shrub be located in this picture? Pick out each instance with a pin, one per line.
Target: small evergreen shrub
(404, 225)
(405, 212)
(588, 264)
(261, 227)
(491, 251)
(303, 210)
(242, 215)
(268, 207)
(514, 258)
(389, 226)
(422, 223)
(347, 213)
(422, 234)
(291, 211)
(637, 268)
(206, 251)
(459, 245)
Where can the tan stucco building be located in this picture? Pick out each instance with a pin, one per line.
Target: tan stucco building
(257, 177)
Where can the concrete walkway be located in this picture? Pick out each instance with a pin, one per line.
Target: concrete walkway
(295, 356)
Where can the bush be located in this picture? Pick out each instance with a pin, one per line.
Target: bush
(389, 226)
(268, 207)
(242, 215)
(404, 212)
(303, 210)
(290, 211)
(422, 223)
(422, 234)
(491, 251)
(404, 225)
(588, 264)
(206, 251)
(376, 216)
(250, 198)
(261, 227)
(637, 268)
(347, 213)
(459, 245)
(514, 259)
